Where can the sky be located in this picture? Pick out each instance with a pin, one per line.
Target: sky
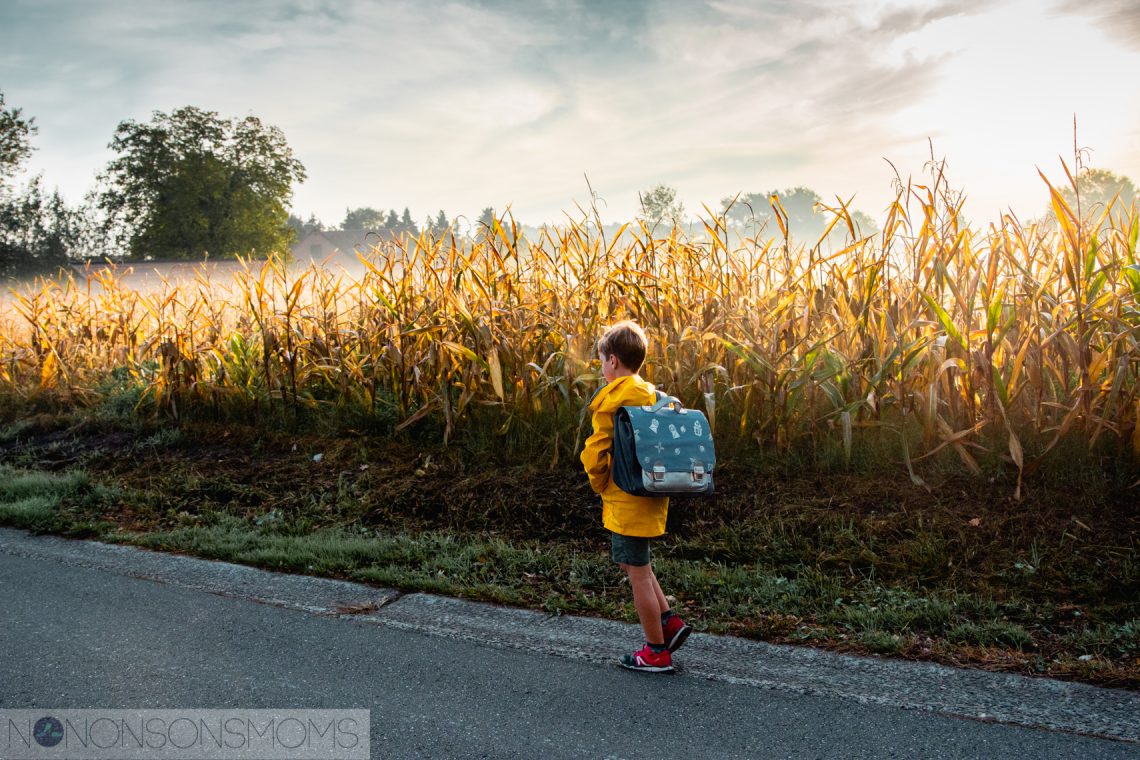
(463, 104)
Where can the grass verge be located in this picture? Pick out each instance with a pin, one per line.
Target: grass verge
(857, 566)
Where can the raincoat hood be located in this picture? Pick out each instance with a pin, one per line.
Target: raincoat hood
(630, 390)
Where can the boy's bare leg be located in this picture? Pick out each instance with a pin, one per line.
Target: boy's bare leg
(662, 602)
(645, 601)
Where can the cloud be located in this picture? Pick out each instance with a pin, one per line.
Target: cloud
(1119, 18)
(740, 84)
(467, 103)
(912, 19)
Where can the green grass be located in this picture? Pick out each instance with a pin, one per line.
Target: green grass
(485, 568)
(564, 578)
(880, 642)
(1111, 640)
(856, 562)
(34, 501)
(559, 578)
(991, 633)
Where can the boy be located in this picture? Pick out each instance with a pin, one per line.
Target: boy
(632, 520)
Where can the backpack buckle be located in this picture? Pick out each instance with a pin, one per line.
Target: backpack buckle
(698, 473)
(658, 472)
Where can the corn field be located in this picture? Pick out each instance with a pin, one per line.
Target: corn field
(979, 343)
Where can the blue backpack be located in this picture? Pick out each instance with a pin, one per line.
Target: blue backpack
(662, 449)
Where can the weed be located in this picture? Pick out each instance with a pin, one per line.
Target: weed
(1112, 640)
(992, 633)
(881, 642)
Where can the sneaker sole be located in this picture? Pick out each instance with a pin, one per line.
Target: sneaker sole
(649, 668)
(679, 638)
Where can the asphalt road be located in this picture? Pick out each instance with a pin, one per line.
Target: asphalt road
(443, 678)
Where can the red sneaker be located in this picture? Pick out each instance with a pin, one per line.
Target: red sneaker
(649, 661)
(676, 631)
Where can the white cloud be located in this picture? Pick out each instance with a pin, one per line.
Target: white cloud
(1120, 18)
(461, 105)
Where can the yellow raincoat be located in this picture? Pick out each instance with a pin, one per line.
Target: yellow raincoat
(629, 515)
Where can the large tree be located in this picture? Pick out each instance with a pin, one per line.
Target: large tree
(1098, 189)
(487, 217)
(364, 218)
(806, 217)
(190, 183)
(15, 139)
(37, 230)
(407, 224)
(660, 204)
(437, 226)
(302, 227)
(755, 210)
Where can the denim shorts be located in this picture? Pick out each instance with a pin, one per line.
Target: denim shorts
(629, 550)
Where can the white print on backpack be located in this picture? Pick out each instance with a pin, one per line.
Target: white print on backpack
(676, 451)
(653, 425)
(636, 434)
(697, 430)
(659, 447)
(682, 428)
(673, 431)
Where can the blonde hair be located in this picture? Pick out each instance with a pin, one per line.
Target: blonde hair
(625, 340)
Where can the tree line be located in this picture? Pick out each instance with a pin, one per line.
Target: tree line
(368, 219)
(191, 184)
